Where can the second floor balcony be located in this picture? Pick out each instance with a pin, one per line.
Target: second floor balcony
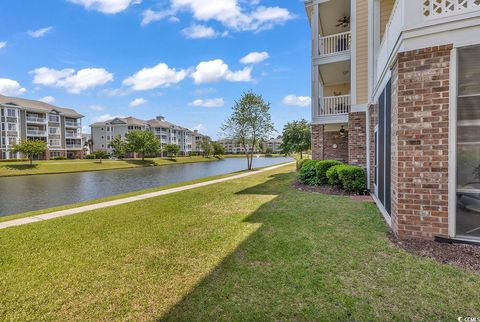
(32, 132)
(36, 119)
(337, 44)
(72, 123)
(332, 106)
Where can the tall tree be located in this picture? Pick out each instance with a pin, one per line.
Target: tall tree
(297, 137)
(30, 148)
(206, 146)
(249, 123)
(119, 146)
(218, 149)
(142, 142)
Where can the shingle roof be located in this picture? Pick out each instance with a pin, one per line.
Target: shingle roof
(127, 120)
(37, 105)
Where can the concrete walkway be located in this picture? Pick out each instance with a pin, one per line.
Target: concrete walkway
(73, 211)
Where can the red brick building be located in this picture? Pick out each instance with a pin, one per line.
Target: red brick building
(396, 90)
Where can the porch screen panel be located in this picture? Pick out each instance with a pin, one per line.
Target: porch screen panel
(381, 148)
(388, 146)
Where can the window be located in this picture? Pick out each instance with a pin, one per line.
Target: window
(54, 130)
(12, 127)
(11, 112)
(12, 141)
(54, 118)
(54, 142)
(468, 142)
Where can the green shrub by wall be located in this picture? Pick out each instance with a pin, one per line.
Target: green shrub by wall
(353, 178)
(334, 177)
(322, 168)
(308, 173)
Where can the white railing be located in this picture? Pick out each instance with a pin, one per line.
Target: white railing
(335, 44)
(71, 135)
(36, 119)
(36, 133)
(393, 29)
(334, 105)
(444, 8)
(73, 146)
(72, 123)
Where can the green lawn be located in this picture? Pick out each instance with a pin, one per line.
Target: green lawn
(248, 249)
(64, 166)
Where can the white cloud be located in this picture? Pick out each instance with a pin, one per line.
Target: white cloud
(149, 78)
(201, 31)
(106, 6)
(199, 128)
(47, 99)
(232, 15)
(151, 16)
(69, 79)
(106, 117)
(39, 32)
(3, 44)
(295, 100)
(255, 57)
(97, 108)
(137, 102)
(216, 70)
(10, 87)
(210, 102)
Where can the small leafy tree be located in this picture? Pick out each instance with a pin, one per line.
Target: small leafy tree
(142, 142)
(30, 148)
(119, 147)
(297, 137)
(206, 146)
(249, 123)
(218, 149)
(269, 150)
(100, 155)
(172, 149)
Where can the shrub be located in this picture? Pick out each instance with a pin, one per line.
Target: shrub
(300, 163)
(322, 168)
(59, 158)
(308, 173)
(13, 160)
(333, 175)
(353, 178)
(90, 156)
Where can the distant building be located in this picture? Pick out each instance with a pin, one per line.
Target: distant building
(22, 119)
(168, 133)
(234, 147)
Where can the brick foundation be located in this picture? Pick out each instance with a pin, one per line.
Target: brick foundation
(357, 150)
(420, 101)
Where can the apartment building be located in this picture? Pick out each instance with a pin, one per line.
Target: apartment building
(233, 147)
(168, 133)
(22, 119)
(395, 89)
(197, 138)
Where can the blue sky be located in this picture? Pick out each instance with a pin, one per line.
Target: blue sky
(187, 60)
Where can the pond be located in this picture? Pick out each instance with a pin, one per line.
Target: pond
(27, 193)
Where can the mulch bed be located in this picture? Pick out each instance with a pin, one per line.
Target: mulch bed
(329, 190)
(460, 255)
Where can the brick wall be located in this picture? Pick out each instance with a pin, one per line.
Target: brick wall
(420, 100)
(335, 146)
(357, 151)
(317, 141)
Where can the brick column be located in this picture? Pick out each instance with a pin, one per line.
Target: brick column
(420, 102)
(317, 141)
(357, 149)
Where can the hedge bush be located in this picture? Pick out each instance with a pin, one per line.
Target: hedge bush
(90, 156)
(300, 163)
(58, 158)
(14, 160)
(353, 178)
(334, 177)
(308, 173)
(322, 168)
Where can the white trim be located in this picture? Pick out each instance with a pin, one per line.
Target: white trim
(353, 52)
(384, 213)
(452, 150)
(334, 58)
(342, 118)
(358, 108)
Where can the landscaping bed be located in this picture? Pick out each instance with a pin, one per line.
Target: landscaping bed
(461, 255)
(324, 189)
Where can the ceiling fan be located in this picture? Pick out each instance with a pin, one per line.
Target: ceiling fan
(344, 22)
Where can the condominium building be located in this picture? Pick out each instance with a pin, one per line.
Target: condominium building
(395, 89)
(234, 147)
(168, 133)
(22, 119)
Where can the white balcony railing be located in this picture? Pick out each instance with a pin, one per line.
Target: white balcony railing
(36, 133)
(335, 44)
(444, 8)
(73, 146)
(334, 105)
(72, 135)
(72, 124)
(36, 119)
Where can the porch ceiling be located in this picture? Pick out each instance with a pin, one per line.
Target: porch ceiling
(329, 13)
(335, 73)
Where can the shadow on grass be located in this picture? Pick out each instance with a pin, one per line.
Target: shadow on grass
(276, 273)
(21, 166)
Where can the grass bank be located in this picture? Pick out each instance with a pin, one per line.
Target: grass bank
(248, 249)
(68, 166)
